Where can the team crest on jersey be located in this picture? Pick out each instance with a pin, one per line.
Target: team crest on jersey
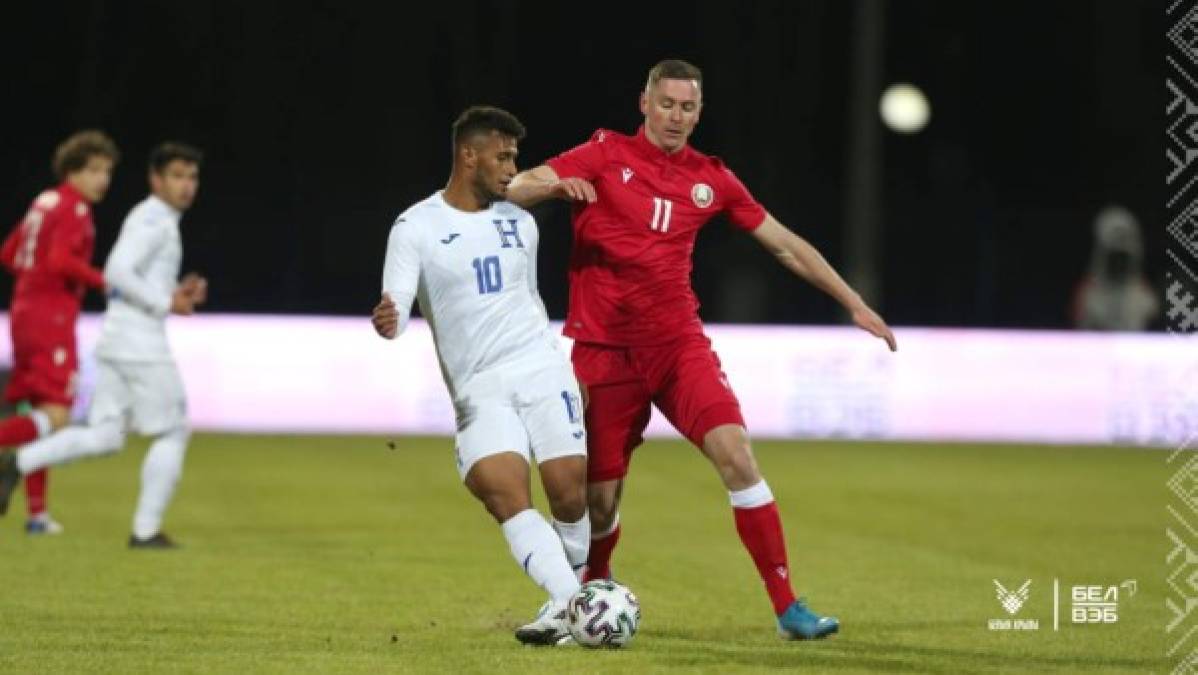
(81, 209)
(702, 195)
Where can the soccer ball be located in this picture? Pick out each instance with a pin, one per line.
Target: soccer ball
(603, 614)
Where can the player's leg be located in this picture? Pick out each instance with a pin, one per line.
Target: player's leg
(104, 434)
(552, 411)
(160, 473)
(694, 394)
(617, 411)
(39, 520)
(492, 454)
(158, 409)
(43, 381)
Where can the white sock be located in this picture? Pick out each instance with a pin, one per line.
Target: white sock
(537, 548)
(751, 497)
(160, 474)
(576, 539)
(69, 444)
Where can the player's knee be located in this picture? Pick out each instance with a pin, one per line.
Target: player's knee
(58, 415)
(107, 437)
(178, 436)
(569, 507)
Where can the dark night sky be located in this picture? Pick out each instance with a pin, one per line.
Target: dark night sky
(321, 121)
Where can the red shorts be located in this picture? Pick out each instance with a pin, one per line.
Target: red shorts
(45, 364)
(682, 378)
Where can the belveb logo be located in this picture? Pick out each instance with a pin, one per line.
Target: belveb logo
(1012, 601)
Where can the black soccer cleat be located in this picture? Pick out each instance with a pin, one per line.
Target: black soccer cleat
(10, 477)
(159, 541)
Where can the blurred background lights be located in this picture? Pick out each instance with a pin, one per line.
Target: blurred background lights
(904, 108)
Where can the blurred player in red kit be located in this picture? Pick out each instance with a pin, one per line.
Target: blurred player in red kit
(640, 202)
(49, 252)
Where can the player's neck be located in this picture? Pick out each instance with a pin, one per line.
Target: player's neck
(461, 195)
(77, 190)
(656, 142)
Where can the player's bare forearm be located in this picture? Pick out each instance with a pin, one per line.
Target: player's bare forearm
(534, 186)
(800, 257)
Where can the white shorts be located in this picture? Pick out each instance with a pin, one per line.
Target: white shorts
(533, 408)
(147, 397)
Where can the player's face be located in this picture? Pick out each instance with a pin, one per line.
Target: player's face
(93, 179)
(177, 183)
(671, 109)
(495, 166)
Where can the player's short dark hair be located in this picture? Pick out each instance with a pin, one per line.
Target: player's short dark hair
(674, 69)
(165, 153)
(484, 119)
(72, 154)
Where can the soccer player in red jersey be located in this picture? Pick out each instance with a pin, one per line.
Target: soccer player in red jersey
(49, 252)
(640, 201)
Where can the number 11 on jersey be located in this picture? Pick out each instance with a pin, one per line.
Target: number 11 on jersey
(662, 208)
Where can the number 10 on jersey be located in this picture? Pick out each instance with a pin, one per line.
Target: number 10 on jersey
(488, 275)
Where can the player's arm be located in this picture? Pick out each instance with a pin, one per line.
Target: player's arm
(136, 243)
(534, 186)
(8, 252)
(401, 274)
(65, 255)
(800, 257)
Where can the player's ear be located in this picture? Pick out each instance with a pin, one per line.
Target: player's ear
(644, 105)
(467, 156)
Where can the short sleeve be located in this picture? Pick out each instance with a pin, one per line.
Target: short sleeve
(739, 205)
(584, 161)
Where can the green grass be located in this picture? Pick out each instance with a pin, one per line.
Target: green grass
(340, 555)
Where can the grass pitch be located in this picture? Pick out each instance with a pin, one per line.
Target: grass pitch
(341, 555)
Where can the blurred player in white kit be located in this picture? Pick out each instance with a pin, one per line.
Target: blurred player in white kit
(470, 258)
(138, 386)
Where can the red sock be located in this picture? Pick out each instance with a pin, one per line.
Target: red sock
(760, 529)
(17, 430)
(35, 492)
(599, 558)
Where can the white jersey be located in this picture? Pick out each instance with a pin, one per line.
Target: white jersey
(475, 276)
(143, 269)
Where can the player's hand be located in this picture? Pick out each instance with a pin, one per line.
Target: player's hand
(385, 318)
(182, 302)
(196, 286)
(869, 321)
(575, 190)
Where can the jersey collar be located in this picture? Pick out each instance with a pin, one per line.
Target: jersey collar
(69, 191)
(649, 150)
(161, 204)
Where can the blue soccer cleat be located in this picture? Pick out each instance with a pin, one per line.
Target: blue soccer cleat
(800, 623)
(42, 523)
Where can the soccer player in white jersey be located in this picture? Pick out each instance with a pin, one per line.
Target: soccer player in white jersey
(470, 259)
(137, 385)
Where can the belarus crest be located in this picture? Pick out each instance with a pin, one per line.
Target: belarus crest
(702, 195)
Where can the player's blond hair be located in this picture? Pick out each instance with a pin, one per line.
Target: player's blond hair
(674, 69)
(72, 154)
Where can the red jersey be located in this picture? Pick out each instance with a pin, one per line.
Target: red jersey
(631, 264)
(49, 253)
